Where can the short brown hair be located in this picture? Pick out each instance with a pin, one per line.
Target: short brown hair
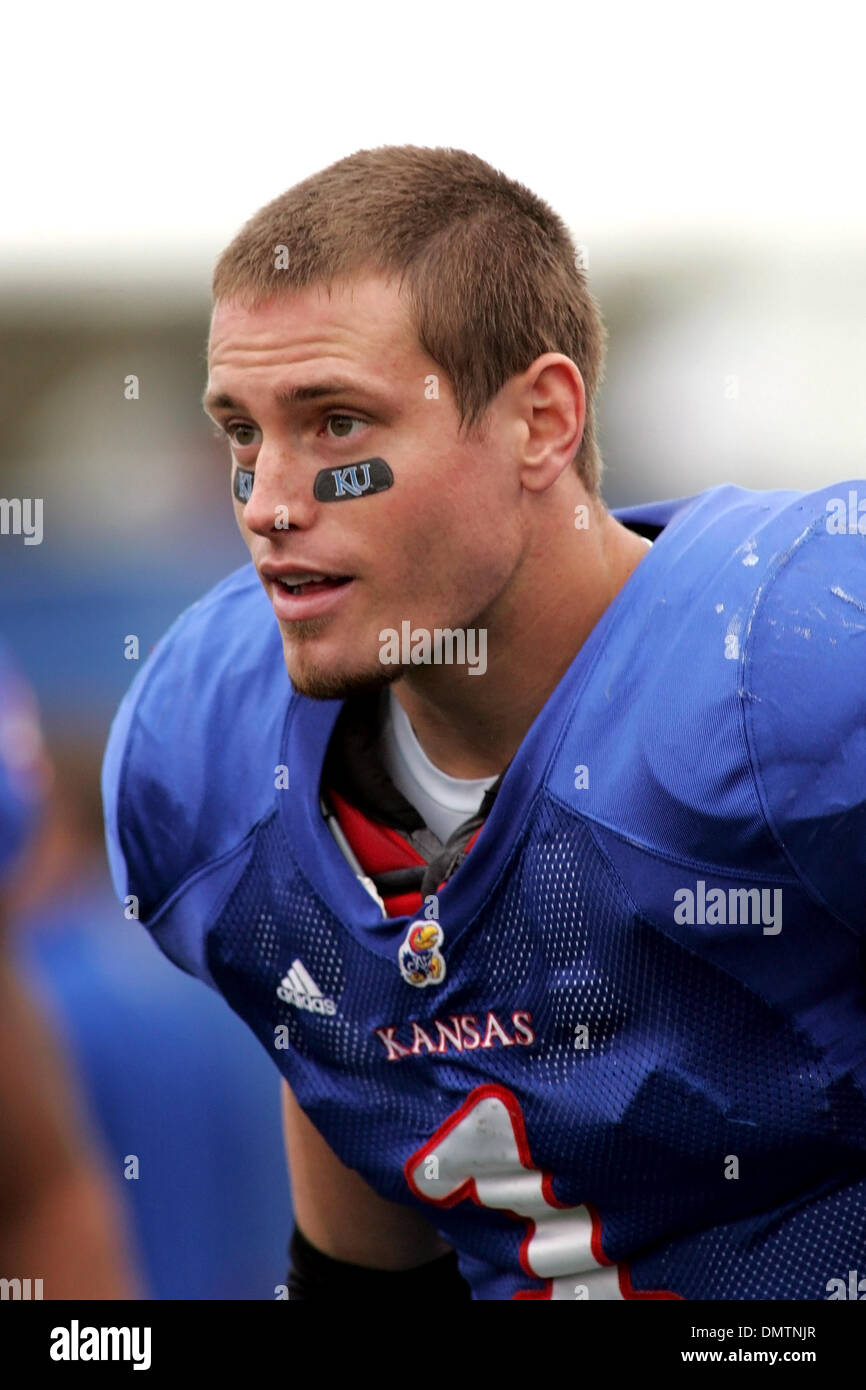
(490, 270)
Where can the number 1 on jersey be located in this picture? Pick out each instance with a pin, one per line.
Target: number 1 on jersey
(481, 1152)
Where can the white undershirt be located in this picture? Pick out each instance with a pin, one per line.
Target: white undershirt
(443, 802)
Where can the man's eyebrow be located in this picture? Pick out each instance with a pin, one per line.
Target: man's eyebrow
(312, 392)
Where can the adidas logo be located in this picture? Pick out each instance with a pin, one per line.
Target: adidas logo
(299, 988)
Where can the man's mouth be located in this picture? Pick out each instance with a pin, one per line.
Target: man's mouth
(298, 594)
(306, 584)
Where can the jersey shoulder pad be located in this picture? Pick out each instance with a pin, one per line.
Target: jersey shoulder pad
(804, 686)
(189, 768)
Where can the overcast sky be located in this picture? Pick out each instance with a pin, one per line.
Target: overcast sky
(136, 134)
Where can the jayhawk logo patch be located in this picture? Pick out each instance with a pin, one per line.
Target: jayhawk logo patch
(421, 962)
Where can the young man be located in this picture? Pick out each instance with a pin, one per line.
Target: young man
(539, 876)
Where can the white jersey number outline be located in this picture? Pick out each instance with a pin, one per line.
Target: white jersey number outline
(481, 1152)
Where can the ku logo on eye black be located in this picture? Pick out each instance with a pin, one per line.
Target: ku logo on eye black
(355, 480)
(332, 484)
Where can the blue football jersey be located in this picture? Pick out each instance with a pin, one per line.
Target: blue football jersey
(622, 1054)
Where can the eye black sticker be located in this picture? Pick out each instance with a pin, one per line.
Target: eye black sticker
(356, 480)
(242, 484)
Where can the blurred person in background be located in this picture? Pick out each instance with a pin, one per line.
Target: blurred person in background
(197, 1163)
(61, 1227)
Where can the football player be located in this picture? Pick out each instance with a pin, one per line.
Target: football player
(526, 836)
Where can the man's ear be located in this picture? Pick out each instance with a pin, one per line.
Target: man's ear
(551, 398)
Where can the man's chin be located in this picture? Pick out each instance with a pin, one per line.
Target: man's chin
(325, 683)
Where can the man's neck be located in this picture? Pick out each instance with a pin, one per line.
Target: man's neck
(471, 725)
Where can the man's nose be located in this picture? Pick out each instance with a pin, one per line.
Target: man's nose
(282, 493)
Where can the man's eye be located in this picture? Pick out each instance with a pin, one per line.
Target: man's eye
(343, 420)
(240, 434)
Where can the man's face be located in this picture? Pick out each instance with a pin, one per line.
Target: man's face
(436, 548)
